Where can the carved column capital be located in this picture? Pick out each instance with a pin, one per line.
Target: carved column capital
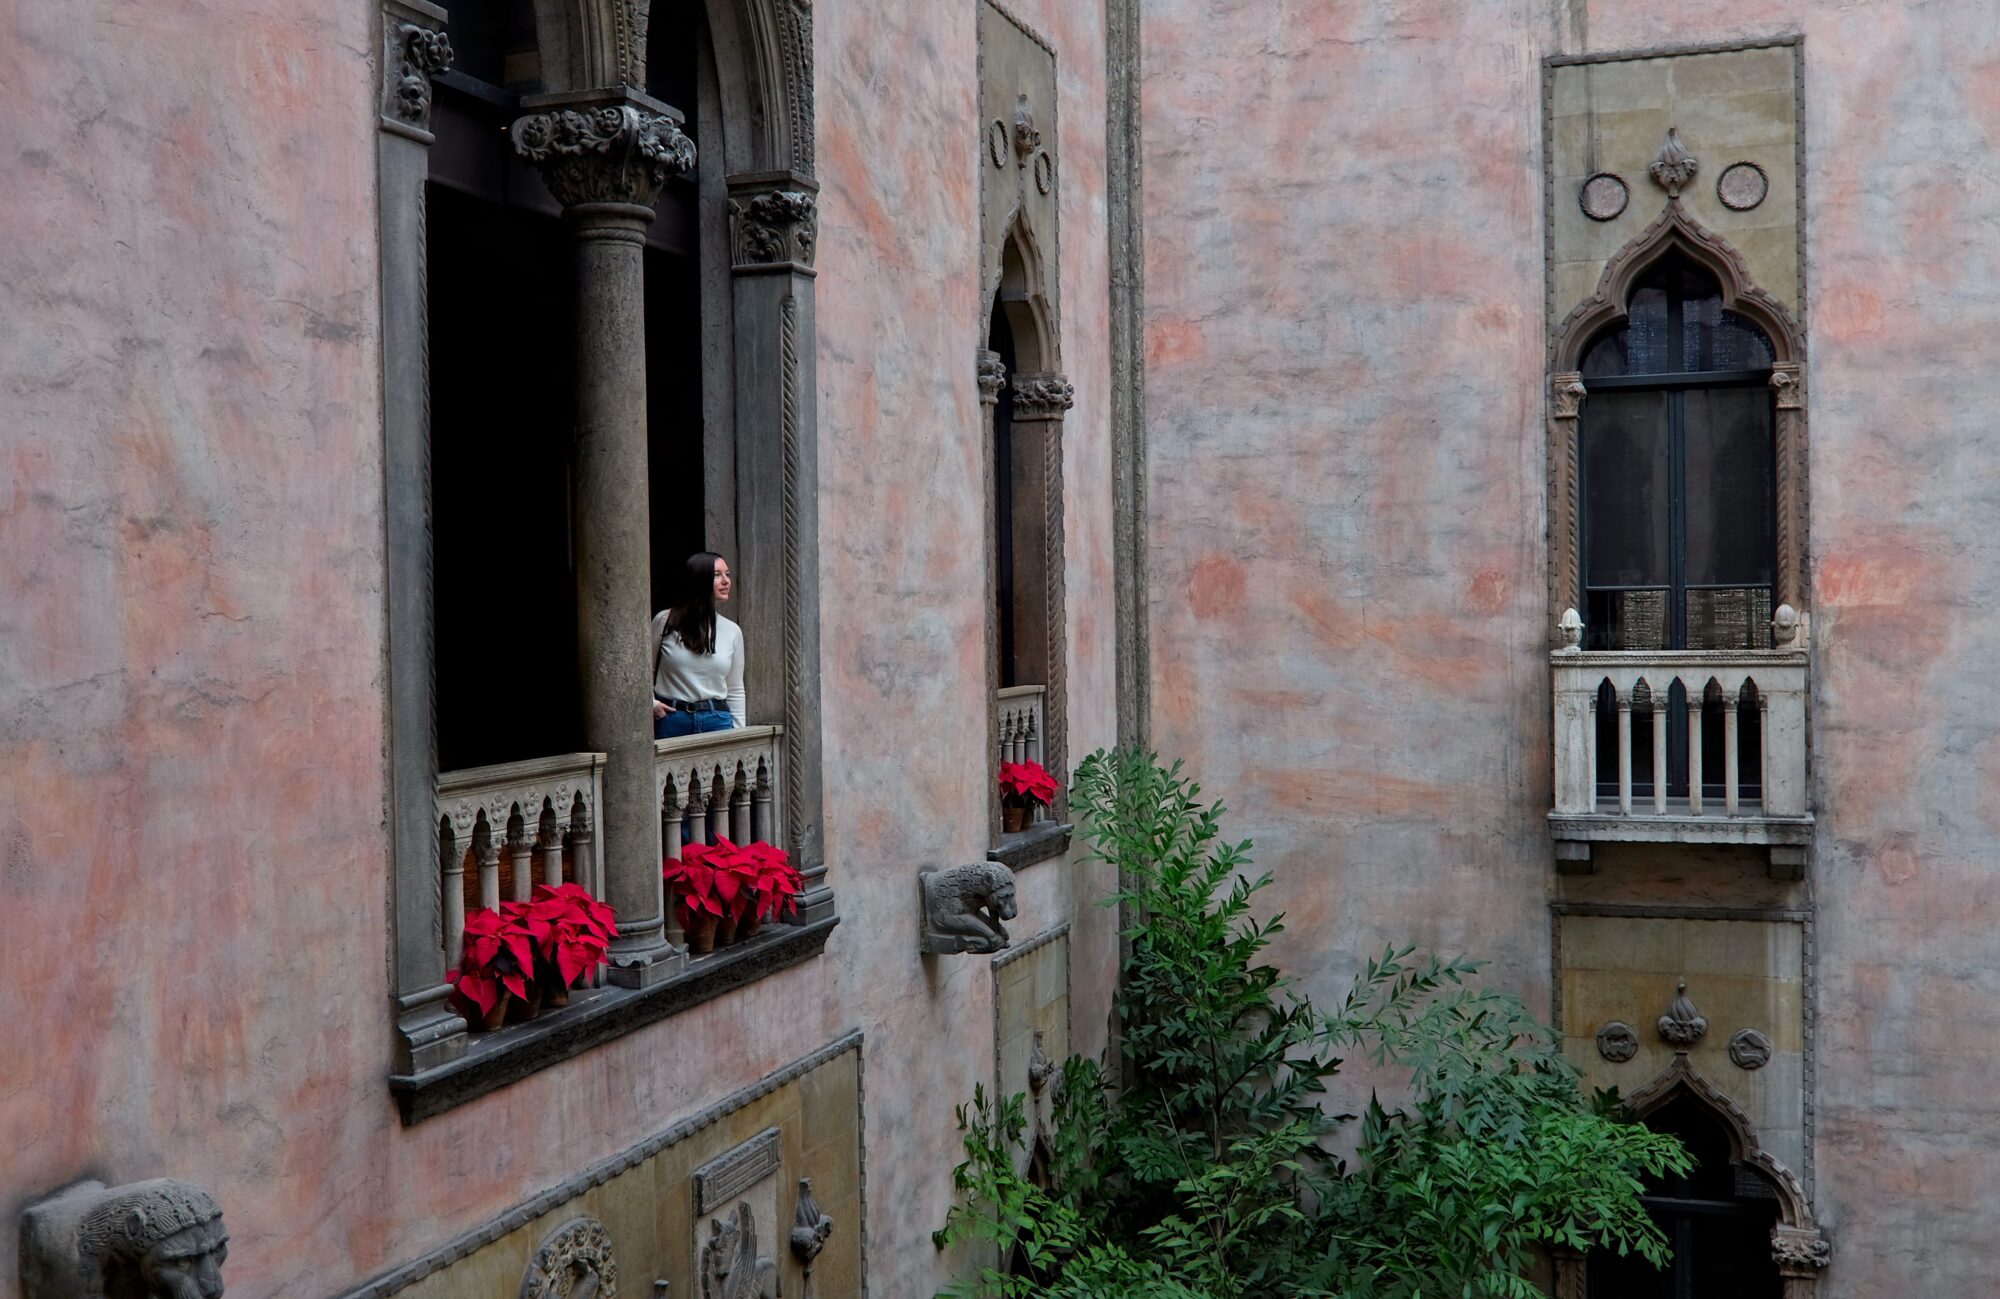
(1801, 1252)
(1042, 396)
(773, 221)
(1788, 382)
(414, 49)
(1568, 392)
(992, 376)
(616, 146)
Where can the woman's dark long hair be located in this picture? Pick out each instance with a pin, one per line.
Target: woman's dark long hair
(691, 617)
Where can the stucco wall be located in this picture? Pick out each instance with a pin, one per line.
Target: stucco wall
(191, 637)
(1343, 261)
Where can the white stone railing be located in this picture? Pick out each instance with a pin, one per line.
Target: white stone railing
(721, 783)
(1643, 681)
(1022, 726)
(1021, 723)
(520, 824)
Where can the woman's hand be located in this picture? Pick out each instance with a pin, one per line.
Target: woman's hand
(660, 710)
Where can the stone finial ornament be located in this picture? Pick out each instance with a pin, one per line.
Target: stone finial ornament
(811, 1227)
(1675, 166)
(1571, 628)
(1617, 1041)
(1749, 1049)
(963, 907)
(731, 1268)
(1784, 625)
(161, 1239)
(1682, 1026)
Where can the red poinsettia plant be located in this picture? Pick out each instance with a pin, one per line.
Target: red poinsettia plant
(773, 882)
(499, 958)
(573, 933)
(705, 881)
(1022, 783)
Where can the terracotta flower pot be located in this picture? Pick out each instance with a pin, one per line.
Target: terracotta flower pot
(748, 924)
(491, 1020)
(1013, 816)
(725, 931)
(520, 1010)
(700, 929)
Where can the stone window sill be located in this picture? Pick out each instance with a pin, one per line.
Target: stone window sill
(1039, 842)
(494, 1060)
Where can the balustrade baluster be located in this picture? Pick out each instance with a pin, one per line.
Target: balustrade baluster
(1695, 701)
(582, 841)
(549, 844)
(1625, 753)
(1730, 761)
(1763, 751)
(670, 819)
(487, 847)
(739, 807)
(697, 812)
(451, 861)
(1032, 741)
(520, 854)
(760, 805)
(1661, 698)
(718, 808)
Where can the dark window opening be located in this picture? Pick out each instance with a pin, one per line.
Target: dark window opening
(1000, 339)
(1717, 1219)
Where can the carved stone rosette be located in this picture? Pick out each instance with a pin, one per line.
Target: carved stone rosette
(617, 148)
(773, 227)
(413, 52)
(1042, 396)
(572, 1257)
(161, 1239)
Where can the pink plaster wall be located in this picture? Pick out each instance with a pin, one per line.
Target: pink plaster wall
(1344, 282)
(191, 636)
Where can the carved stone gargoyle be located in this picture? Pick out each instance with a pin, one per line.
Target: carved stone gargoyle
(964, 907)
(160, 1239)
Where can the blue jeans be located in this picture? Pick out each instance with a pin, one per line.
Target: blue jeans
(681, 722)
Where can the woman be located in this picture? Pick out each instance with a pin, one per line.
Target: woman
(697, 656)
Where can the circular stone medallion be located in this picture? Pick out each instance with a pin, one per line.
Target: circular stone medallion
(1045, 171)
(1617, 1041)
(1742, 186)
(997, 142)
(1750, 1049)
(1603, 196)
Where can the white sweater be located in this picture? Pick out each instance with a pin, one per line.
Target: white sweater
(693, 677)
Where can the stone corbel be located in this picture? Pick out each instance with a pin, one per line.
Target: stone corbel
(773, 222)
(414, 49)
(964, 907)
(161, 1239)
(615, 147)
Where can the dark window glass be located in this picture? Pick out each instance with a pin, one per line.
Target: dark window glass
(1675, 324)
(1625, 490)
(1730, 535)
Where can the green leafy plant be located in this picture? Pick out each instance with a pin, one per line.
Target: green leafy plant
(1205, 1172)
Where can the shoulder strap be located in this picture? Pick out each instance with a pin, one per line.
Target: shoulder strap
(659, 650)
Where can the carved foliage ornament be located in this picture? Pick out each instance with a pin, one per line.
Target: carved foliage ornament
(964, 907)
(731, 1267)
(574, 1260)
(779, 226)
(1042, 396)
(992, 375)
(611, 153)
(416, 54)
(1675, 166)
(162, 1239)
(1799, 1251)
(1682, 1026)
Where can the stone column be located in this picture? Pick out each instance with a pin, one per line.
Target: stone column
(1788, 387)
(773, 233)
(1040, 401)
(414, 49)
(1566, 394)
(605, 156)
(992, 378)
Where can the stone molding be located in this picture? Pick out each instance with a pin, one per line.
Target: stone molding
(735, 1171)
(773, 222)
(617, 147)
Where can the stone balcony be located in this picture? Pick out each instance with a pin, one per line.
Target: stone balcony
(1635, 763)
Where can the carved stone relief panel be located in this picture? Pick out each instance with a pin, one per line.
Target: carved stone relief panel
(1031, 1025)
(736, 1204)
(1718, 128)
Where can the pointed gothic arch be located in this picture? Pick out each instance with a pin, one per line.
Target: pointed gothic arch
(1673, 232)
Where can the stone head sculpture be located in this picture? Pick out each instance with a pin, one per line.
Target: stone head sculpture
(161, 1239)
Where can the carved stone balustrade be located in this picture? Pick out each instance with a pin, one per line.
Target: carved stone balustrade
(520, 824)
(1757, 698)
(1022, 727)
(724, 783)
